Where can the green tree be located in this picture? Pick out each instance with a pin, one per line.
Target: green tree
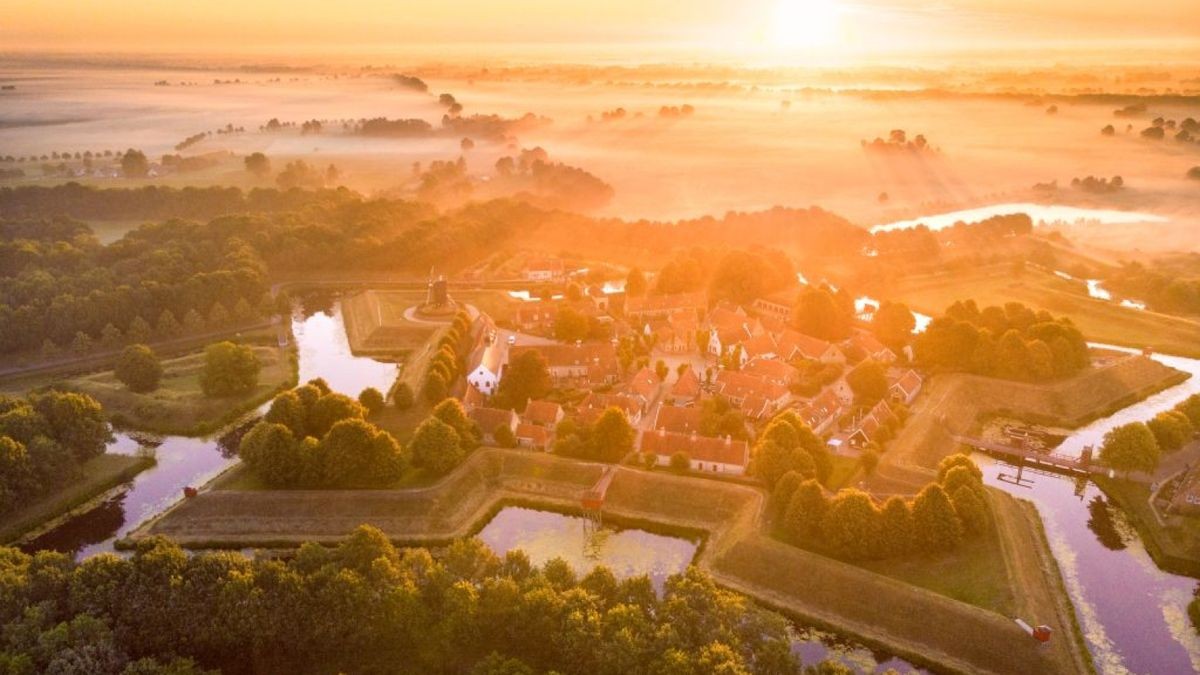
(896, 527)
(1171, 430)
(970, 509)
(526, 376)
(138, 331)
(436, 446)
(435, 387)
(372, 400)
(134, 164)
(612, 436)
(893, 323)
(805, 512)
(820, 314)
(635, 284)
(357, 454)
(290, 411)
(570, 325)
(451, 412)
(1130, 447)
(138, 368)
(329, 409)
(680, 461)
(936, 526)
(851, 526)
(504, 436)
(869, 382)
(75, 420)
(402, 396)
(229, 369)
(258, 164)
(270, 451)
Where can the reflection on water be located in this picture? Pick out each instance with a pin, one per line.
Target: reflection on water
(183, 462)
(545, 535)
(1132, 613)
(1040, 213)
(865, 307)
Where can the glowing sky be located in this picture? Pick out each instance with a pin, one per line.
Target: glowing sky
(720, 25)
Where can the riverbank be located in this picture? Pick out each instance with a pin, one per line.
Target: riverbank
(1173, 543)
(179, 405)
(958, 402)
(98, 476)
(914, 623)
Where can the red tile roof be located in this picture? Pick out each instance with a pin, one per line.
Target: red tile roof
(545, 413)
(490, 418)
(687, 386)
(664, 303)
(676, 419)
(644, 383)
(538, 436)
(774, 370)
(699, 448)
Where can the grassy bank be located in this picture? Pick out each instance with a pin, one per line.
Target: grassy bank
(99, 475)
(1174, 545)
(179, 405)
(1100, 320)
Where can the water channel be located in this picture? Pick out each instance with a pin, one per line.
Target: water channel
(1040, 213)
(1132, 613)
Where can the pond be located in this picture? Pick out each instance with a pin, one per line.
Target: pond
(181, 461)
(545, 535)
(1133, 614)
(1040, 213)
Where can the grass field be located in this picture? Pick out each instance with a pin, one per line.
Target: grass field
(921, 614)
(98, 475)
(179, 406)
(1175, 544)
(1100, 320)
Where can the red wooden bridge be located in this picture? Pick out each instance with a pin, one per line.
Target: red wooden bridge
(592, 500)
(1081, 465)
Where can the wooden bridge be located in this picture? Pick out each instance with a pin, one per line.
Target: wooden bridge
(1081, 465)
(592, 500)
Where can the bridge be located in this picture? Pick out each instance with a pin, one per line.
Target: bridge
(592, 499)
(1081, 465)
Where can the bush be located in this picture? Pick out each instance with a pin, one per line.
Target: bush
(138, 368)
(372, 400)
(229, 369)
(504, 437)
(403, 397)
(680, 461)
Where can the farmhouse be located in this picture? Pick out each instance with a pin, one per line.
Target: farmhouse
(755, 396)
(772, 370)
(719, 455)
(821, 413)
(794, 344)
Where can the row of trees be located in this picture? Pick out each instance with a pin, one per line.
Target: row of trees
(1012, 342)
(445, 438)
(788, 445)
(366, 606)
(1170, 284)
(312, 437)
(44, 440)
(446, 364)
(853, 526)
(1138, 446)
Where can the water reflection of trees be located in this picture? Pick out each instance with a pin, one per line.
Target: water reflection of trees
(595, 540)
(99, 524)
(1100, 521)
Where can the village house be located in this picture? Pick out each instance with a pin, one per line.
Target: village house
(490, 419)
(543, 414)
(772, 370)
(794, 344)
(675, 334)
(677, 420)
(644, 386)
(905, 388)
(867, 346)
(594, 404)
(487, 359)
(536, 317)
(686, 389)
(532, 436)
(577, 364)
(821, 413)
(756, 397)
(714, 455)
(778, 306)
(543, 269)
(728, 326)
(652, 306)
(864, 430)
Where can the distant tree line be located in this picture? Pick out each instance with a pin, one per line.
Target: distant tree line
(44, 440)
(1170, 284)
(609, 439)
(366, 606)
(853, 526)
(1011, 342)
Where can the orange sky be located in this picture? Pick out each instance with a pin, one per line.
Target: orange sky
(718, 25)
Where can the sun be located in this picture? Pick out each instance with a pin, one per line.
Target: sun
(806, 24)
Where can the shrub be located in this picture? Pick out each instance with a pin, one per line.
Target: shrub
(138, 368)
